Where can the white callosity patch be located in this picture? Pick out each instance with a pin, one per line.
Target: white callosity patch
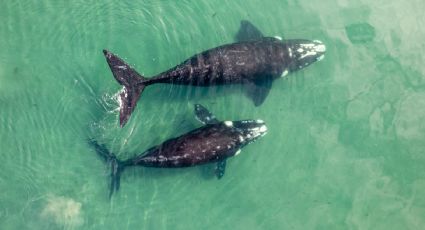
(290, 52)
(284, 73)
(237, 152)
(320, 57)
(308, 53)
(63, 211)
(311, 49)
(320, 47)
(228, 123)
(278, 37)
(257, 132)
(257, 128)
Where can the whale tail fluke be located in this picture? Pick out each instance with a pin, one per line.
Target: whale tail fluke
(133, 83)
(116, 165)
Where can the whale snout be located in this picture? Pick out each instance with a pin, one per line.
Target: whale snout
(319, 48)
(261, 127)
(250, 130)
(303, 53)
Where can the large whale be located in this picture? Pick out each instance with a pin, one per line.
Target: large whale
(214, 142)
(254, 61)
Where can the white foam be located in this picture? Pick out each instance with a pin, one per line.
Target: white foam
(237, 152)
(118, 97)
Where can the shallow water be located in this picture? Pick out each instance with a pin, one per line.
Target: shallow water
(345, 147)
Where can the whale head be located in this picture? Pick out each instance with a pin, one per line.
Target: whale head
(248, 130)
(303, 53)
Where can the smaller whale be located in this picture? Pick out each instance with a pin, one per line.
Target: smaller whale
(212, 143)
(254, 61)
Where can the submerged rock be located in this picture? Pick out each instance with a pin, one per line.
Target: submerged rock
(360, 33)
(63, 211)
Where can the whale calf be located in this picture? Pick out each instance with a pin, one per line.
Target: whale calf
(214, 142)
(254, 61)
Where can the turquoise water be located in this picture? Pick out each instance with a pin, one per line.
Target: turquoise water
(346, 140)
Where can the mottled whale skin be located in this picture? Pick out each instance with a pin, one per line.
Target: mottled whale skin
(254, 61)
(212, 143)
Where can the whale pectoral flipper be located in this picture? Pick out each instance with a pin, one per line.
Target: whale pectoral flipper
(247, 32)
(258, 90)
(204, 116)
(220, 168)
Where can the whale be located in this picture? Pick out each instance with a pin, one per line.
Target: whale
(254, 61)
(214, 142)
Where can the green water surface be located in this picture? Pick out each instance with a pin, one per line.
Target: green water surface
(346, 140)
